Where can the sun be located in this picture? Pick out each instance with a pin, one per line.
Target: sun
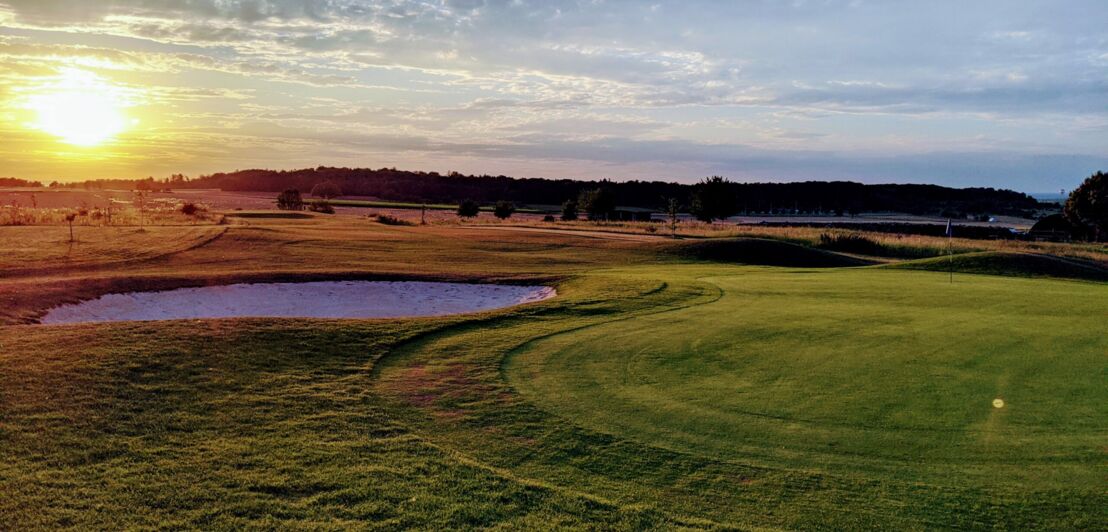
(79, 108)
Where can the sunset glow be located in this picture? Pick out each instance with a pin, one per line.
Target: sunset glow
(79, 108)
(1012, 96)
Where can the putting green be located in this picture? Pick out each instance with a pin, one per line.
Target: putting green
(878, 373)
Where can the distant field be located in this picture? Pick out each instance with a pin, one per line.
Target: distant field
(700, 383)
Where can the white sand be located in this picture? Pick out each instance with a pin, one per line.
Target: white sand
(329, 299)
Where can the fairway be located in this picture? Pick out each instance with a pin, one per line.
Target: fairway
(880, 373)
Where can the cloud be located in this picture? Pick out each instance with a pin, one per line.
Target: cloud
(714, 86)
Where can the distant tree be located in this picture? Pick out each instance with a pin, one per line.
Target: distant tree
(713, 199)
(671, 213)
(1087, 206)
(504, 209)
(326, 190)
(569, 211)
(468, 209)
(140, 202)
(290, 200)
(69, 218)
(598, 203)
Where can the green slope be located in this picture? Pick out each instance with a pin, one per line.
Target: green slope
(1012, 264)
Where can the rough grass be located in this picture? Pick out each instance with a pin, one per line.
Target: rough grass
(39, 250)
(178, 426)
(328, 424)
(1013, 264)
(760, 251)
(889, 245)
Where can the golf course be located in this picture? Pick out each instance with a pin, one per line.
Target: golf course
(732, 383)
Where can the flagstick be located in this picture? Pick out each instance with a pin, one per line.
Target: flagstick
(950, 249)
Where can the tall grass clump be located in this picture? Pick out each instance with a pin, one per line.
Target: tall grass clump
(386, 219)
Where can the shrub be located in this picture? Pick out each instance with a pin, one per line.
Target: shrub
(290, 200)
(391, 220)
(189, 208)
(322, 206)
(504, 209)
(548, 218)
(468, 209)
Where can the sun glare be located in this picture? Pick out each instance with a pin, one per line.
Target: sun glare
(80, 108)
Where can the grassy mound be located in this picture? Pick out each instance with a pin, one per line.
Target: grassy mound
(765, 252)
(1012, 265)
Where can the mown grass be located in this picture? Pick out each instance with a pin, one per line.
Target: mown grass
(474, 421)
(639, 417)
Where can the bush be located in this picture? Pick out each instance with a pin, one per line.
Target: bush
(468, 209)
(290, 200)
(189, 208)
(504, 209)
(322, 206)
(548, 218)
(391, 220)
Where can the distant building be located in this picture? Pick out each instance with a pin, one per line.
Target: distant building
(632, 214)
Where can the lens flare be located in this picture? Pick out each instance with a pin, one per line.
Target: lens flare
(79, 108)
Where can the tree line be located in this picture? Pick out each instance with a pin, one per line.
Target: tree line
(840, 197)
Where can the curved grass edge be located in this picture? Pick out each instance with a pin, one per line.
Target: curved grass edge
(462, 401)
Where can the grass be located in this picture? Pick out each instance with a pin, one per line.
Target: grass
(833, 371)
(887, 245)
(659, 390)
(1013, 264)
(38, 250)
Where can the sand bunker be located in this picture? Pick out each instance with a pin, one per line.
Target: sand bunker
(329, 299)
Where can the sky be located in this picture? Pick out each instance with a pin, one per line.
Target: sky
(1001, 93)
